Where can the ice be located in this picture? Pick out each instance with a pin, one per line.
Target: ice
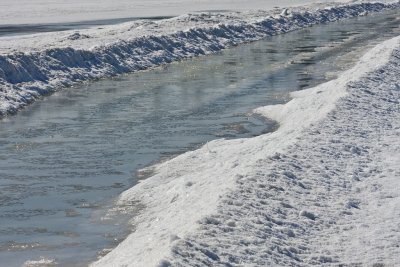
(321, 189)
(287, 198)
(53, 11)
(32, 66)
(42, 262)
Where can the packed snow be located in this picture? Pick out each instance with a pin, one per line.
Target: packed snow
(320, 190)
(32, 66)
(54, 11)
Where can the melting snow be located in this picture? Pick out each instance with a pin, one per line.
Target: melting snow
(322, 189)
(36, 65)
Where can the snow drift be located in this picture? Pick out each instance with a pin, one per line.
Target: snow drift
(37, 65)
(299, 196)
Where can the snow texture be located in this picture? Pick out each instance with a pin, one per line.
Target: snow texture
(320, 190)
(331, 198)
(36, 65)
(14, 12)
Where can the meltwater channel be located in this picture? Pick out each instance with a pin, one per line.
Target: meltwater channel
(64, 159)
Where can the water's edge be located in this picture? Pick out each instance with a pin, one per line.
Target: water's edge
(25, 77)
(84, 143)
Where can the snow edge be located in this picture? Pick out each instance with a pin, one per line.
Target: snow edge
(188, 188)
(28, 76)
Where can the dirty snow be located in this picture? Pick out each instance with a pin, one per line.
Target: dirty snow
(320, 190)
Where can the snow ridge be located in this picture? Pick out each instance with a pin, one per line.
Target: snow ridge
(27, 75)
(279, 198)
(329, 199)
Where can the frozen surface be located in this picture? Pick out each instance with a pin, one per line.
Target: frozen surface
(35, 65)
(65, 158)
(322, 189)
(52, 11)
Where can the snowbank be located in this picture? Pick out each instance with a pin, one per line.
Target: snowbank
(36, 65)
(53, 11)
(328, 199)
(293, 197)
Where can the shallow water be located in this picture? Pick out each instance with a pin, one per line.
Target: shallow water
(63, 159)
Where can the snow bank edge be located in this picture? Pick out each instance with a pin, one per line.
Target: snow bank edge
(187, 188)
(25, 77)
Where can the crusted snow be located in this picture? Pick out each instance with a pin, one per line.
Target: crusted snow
(320, 190)
(32, 66)
(53, 11)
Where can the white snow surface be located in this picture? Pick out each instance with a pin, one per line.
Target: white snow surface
(32, 66)
(323, 189)
(14, 12)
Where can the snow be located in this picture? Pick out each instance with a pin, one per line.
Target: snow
(32, 66)
(55, 11)
(320, 190)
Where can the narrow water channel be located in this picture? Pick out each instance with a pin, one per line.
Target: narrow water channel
(63, 159)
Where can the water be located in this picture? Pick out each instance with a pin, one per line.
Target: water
(63, 159)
